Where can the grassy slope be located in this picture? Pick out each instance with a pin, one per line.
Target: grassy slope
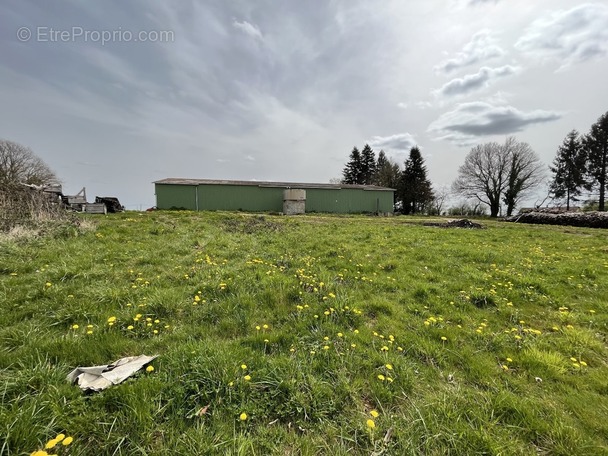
(468, 322)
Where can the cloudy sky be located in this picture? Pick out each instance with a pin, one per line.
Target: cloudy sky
(117, 94)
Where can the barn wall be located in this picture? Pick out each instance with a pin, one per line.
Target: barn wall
(240, 198)
(252, 198)
(175, 196)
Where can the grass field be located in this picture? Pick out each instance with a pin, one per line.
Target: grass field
(306, 335)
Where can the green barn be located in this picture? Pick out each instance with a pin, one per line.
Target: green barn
(286, 197)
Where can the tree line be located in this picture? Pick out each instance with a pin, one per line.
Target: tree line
(495, 175)
(414, 192)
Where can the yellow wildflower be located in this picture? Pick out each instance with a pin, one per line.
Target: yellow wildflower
(371, 424)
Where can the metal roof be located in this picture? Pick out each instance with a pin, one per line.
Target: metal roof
(179, 181)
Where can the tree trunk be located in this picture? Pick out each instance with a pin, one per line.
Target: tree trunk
(603, 181)
(568, 200)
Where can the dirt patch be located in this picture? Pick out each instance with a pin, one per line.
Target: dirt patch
(460, 223)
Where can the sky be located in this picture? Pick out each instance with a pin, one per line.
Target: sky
(115, 95)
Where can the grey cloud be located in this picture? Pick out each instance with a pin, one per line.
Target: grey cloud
(471, 120)
(398, 143)
(472, 82)
(571, 36)
(481, 48)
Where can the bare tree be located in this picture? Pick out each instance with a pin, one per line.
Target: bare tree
(524, 172)
(19, 165)
(482, 176)
(493, 173)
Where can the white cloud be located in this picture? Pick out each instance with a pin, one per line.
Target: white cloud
(570, 36)
(472, 82)
(248, 28)
(481, 48)
(476, 119)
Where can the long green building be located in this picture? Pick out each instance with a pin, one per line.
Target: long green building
(286, 197)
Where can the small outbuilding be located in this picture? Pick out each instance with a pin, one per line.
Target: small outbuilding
(285, 197)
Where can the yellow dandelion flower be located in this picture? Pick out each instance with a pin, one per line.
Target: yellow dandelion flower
(150, 369)
(325, 347)
(247, 378)
(130, 327)
(573, 359)
(111, 319)
(265, 326)
(389, 366)
(243, 416)
(51, 444)
(374, 413)
(371, 424)
(340, 335)
(67, 441)
(60, 437)
(384, 348)
(75, 326)
(381, 377)
(509, 360)
(243, 366)
(443, 338)
(583, 363)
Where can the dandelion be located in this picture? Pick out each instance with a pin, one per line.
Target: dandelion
(443, 338)
(89, 332)
(381, 377)
(48, 284)
(130, 327)
(389, 379)
(243, 366)
(51, 444)
(247, 378)
(384, 348)
(340, 335)
(374, 413)
(353, 345)
(265, 326)
(75, 326)
(111, 319)
(258, 328)
(67, 441)
(583, 363)
(389, 366)
(60, 437)
(371, 424)
(243, 416)
(509, 360)
(150, 369)
(325, 347)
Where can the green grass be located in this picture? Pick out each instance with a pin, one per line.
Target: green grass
(464, 341)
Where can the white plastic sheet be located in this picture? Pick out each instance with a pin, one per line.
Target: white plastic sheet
(97, 378)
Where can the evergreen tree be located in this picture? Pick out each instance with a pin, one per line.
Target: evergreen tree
(387, 172)
(568, 169)
(352, 173)
(415, 189)
(596, 148)
(368, 165)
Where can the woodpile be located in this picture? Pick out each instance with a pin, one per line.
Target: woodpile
(584, 219)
